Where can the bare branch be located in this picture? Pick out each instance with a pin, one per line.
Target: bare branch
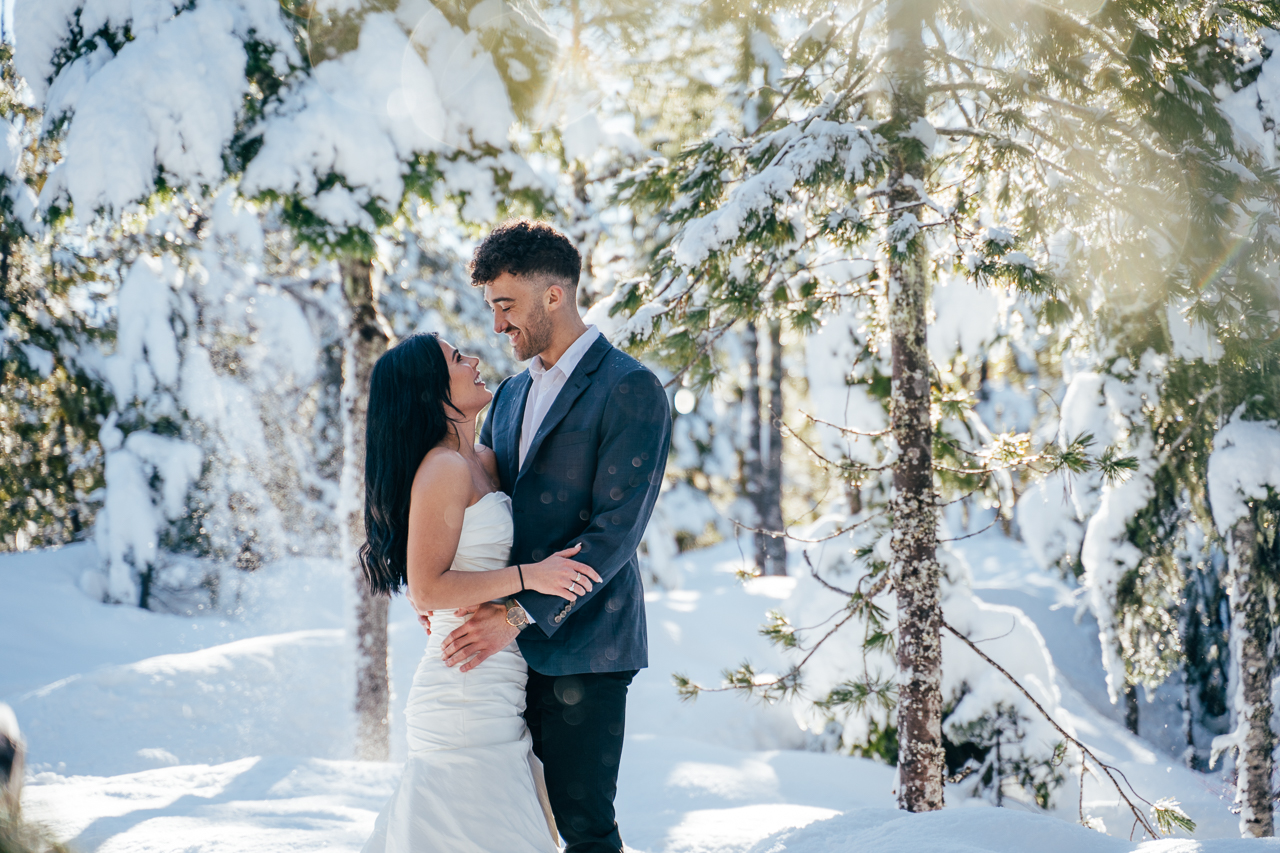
(1139, 818)
(975, 533)
(701, 352)
(793, 673)
(855, 467)
(845, 430)
(787, 535)
(813, 570)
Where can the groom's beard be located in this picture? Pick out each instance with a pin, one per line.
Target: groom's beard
(534, 337)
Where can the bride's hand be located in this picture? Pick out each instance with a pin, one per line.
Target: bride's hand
(559, 575)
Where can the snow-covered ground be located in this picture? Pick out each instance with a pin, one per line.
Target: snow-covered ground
(153, 732)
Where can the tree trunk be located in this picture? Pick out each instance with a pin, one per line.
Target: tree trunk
(771, 551)
(1189, 757)
(1251, 627)
(366, 341)
(914, 544)
(1131, 708)
(853, 497)
(584, 236)
(752, 460)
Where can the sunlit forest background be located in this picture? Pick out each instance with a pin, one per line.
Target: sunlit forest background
(964, 309)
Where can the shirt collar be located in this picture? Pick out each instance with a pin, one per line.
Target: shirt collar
(569, 360)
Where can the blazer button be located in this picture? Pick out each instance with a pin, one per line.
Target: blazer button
(559, 617)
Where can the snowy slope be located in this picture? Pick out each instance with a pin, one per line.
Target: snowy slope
(153, 732)
(1005, 573)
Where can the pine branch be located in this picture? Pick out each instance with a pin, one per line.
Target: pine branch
(1169, 815)
(800, 77)
(1116, 469)
(743, 678)
(1103, 37)
(950, 61)
(779, 631)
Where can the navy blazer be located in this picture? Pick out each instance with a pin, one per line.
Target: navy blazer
(592, 475)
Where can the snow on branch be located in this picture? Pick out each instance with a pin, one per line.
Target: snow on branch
(163, 101)
(795, 154)
(364, 116)
(149, 96)
(1244, 467)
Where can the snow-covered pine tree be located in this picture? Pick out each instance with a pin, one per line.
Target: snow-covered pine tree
(641, 64)
(51, 399)
(1155, 580)
(757, 66)
(1195, 351)
(221, 355)
(1223, 438)
(337, 114)
(1204, 631)
(736, 41)
(1029, 153)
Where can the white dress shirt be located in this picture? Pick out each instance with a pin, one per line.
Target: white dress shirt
(546, 385)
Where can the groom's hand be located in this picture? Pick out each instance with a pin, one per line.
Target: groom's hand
(479, 637)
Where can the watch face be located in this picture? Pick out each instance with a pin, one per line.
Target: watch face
(516, 616)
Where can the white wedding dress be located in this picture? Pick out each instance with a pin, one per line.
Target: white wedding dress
(471, 783)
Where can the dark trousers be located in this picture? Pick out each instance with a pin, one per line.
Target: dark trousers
(577, 723)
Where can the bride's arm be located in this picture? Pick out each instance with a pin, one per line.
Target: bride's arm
(437, 506)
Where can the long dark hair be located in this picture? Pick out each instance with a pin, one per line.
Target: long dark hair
(408, 414)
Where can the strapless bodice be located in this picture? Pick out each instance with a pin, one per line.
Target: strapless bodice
(483, 546)
(485, 541)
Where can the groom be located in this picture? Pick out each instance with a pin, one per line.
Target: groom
(581, 439)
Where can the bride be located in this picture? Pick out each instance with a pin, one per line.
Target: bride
(437, 523)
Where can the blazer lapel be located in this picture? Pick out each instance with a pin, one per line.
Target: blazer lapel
(510, 427)
(569, 394)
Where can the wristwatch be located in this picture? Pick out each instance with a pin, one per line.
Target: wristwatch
(516, 616)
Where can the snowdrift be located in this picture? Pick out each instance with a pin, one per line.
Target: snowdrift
(229, 732)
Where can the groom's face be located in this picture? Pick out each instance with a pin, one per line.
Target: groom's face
(519, 307)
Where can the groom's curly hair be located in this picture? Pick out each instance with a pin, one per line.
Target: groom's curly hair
(525, 247)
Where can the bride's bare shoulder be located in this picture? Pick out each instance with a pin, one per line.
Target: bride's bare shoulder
(442, 470)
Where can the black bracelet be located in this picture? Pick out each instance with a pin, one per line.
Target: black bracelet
(520, 572)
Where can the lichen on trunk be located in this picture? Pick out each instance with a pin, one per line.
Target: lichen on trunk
(1251, 625)
(914, 545)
